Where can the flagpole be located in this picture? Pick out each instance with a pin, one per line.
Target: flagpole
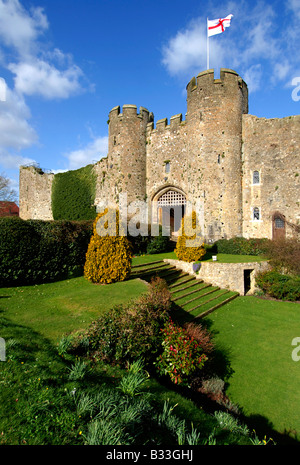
(207, 44)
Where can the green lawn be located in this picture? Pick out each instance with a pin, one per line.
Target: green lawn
(257, 335)
(54, 309)
(222, 258)
(36, 404)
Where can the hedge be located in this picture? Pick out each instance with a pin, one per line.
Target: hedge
(278, 285)
(35, 251)
(242, 246)
(73, 195)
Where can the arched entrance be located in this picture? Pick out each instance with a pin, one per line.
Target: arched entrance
(168, 208)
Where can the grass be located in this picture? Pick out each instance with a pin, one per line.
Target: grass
(254, 335)
(257, 336)
(222, 258)
(229, 258)
(38, 386)
(54, 309)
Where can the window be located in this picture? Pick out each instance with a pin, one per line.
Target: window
(256, 214)
(279, 223)
(256, 179)
(167, 167)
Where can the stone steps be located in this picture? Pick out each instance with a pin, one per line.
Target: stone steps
(188, 292)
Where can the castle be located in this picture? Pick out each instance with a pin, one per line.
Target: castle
(244, 170)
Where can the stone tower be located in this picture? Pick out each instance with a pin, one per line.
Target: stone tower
(214, 128)
(127, 151)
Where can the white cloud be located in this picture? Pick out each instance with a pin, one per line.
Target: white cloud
(260, 44)
(15, 130)
(91, 153)
(18, 28)
(41, 78)
(36, 69)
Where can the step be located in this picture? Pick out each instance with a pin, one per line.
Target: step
(192, 292)
(197, 281)
(148, 269)
(215, 289)
(212, 309)
(192, 278)
(206, 302)
(146, 264)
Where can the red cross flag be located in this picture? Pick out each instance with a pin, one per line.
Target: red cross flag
(216, 26)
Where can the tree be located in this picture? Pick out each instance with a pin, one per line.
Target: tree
(7, 194)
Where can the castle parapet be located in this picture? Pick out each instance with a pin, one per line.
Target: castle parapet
(129, 111)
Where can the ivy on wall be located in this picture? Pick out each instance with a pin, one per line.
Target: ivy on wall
(73, 194)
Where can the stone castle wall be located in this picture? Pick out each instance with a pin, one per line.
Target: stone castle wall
(271, 147)
(35, 194)
(209, 157)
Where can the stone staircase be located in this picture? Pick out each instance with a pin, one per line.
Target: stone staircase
(193, 296)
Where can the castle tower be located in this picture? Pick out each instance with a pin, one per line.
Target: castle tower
(214, 124)
(127, 152)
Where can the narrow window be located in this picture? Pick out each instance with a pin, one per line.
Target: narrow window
(167, 167)
(219, 159)
(256, 214)
(256, 179)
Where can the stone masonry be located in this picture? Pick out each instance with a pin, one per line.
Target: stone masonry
(244, 171)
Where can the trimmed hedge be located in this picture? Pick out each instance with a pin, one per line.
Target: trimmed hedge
(242, 246)
(73, 195)
(35, 251)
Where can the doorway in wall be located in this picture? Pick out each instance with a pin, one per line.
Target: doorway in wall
(247, 281)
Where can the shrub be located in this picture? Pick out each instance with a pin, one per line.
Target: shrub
(182, 356)
(242, 246)
(190, 231)
(279, 286)
(158, 244)
(108, 257)
(36, 251)
(129, 332)
(284, 255)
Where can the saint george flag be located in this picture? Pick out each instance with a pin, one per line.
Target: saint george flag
(216, 26)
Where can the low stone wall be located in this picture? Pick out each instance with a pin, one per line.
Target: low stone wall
(237, 277)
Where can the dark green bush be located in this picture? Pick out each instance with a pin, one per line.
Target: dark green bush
(279, 286)
(242, 246)
(158, 244)
(150, 244)
(35, 251)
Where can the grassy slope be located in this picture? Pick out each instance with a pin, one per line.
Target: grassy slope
(54, 309)
(257, 334)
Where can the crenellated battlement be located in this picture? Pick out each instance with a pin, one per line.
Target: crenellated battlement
(205, 91)
(207, 79)
(129, 111)
(162, 124)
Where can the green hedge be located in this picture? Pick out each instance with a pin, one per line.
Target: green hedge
(241, 246)
(73, 195)
(36, 251)
(279, 286)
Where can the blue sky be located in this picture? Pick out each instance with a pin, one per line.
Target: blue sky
(66, 63)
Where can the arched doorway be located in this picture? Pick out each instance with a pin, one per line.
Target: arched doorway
(168, 208)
